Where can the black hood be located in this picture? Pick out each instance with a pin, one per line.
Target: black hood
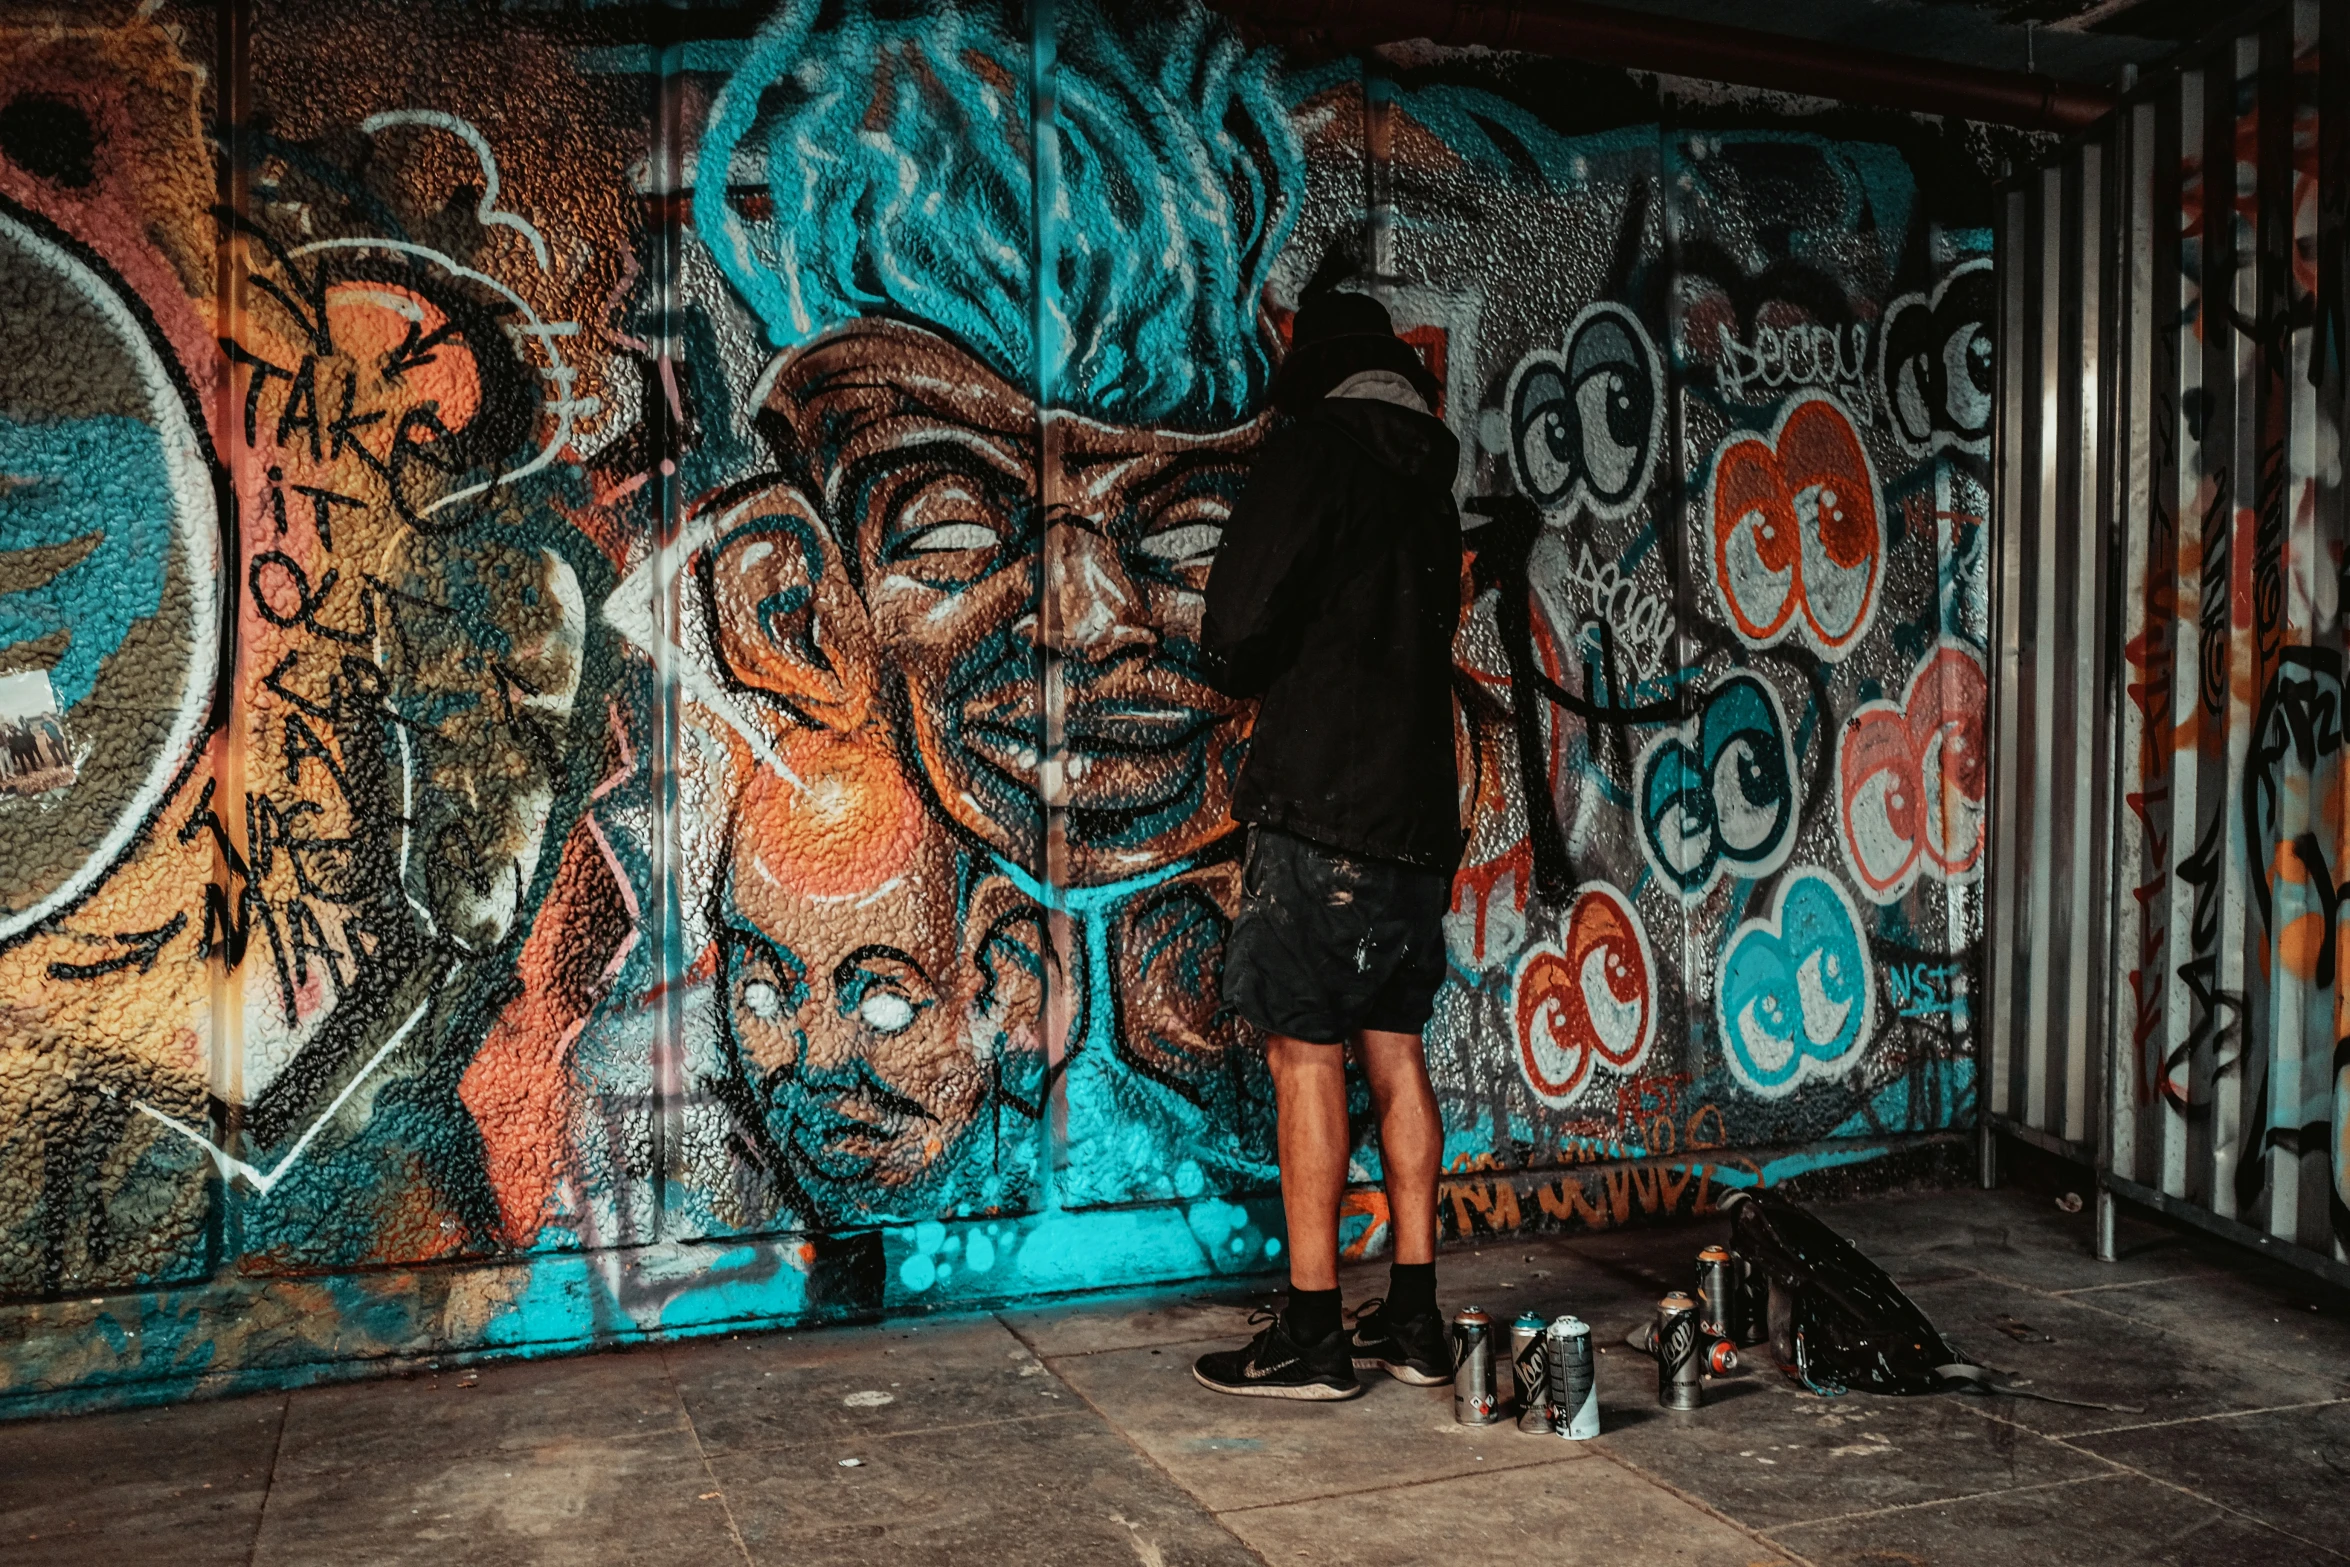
(1409, 442)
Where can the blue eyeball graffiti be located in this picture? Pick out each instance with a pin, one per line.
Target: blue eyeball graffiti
(1798, 998)
(1585, 424)
(1718, 796)
(1936, 365)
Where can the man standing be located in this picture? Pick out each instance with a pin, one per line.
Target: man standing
(1333, 601)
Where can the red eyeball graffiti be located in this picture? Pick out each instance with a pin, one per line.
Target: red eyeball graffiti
(1799, 543)
(1594, 998)
(1913, 778)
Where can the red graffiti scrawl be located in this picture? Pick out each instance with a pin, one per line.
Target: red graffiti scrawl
(1597, 997)
(1799, 545)
(1913, 778)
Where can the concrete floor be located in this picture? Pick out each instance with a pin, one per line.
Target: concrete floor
(1075, 1435)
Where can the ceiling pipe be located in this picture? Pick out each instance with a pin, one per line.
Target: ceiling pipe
(1634, 40)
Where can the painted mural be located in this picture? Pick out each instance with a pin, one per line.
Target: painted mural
(598, 682)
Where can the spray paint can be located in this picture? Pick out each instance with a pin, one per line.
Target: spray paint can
(1721, 1357)
(1529, 1382)
(1574, 1379)
(1678, 1373)
(1720, 1294)
(1473, 1403)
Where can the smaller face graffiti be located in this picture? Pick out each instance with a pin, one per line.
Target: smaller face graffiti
(871, 1060)
(1936, 369)
(1913, 779)
(1798, 533)
(1584, 425)
(1719, 798)
(1798, 997)
(1590, 999)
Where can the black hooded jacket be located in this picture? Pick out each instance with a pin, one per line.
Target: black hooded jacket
(1333, 600)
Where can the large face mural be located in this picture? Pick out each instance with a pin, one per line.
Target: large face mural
(632, 711)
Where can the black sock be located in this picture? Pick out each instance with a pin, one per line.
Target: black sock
(1411, 1288)
(1312, 1315)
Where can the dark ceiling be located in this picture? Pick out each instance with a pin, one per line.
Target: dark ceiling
(2086, 41)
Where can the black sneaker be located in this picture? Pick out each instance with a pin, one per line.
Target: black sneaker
(1414, 1349)
(1277, 1366)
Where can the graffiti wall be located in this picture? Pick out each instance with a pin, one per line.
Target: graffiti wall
(604, 733)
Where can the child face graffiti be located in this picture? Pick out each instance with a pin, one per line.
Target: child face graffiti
(924, 466)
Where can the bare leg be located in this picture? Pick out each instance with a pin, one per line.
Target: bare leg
(1309, 1094)
(1411, 1139)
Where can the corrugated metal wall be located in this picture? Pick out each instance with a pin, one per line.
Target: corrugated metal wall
(2171, 837)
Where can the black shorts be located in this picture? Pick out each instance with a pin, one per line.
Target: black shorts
(1329, 943)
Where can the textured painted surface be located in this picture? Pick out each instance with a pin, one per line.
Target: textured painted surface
(624, 620)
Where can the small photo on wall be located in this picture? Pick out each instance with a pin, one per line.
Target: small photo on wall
(34, 756)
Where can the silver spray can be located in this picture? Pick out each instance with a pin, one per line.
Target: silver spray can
(1574, 1379)
(1473, 1401)
(1679, 1368)
(1721, 1295)
(1529, 1381)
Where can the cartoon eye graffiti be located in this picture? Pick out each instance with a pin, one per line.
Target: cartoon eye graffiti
(1797, 998)
(1718, 797)
(1913, 778)
(1798, 533)
(1585, 424)
(1593, 996)
(1936, 368)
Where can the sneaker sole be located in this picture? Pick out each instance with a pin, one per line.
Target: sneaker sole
(1401, 1372)
(1310, 1392)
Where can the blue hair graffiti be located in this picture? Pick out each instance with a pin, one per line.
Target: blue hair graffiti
(879, 165)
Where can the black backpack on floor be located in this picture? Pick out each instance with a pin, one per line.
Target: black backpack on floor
(1837, 1320)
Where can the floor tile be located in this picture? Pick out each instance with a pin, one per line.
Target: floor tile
(2110, 1521)
(2016, 1236)
(1559, 1515)
(1060, 1490)
(2290, 1468)
(567, 1504)
(776, 1390)
(1243, 1452)
(112, 1489)
(1135, 1322)
(2069, 1350)
(1543, 1274)
(1768, 1454)
(2262, 1312)
(486, 1410)
(1609, 1281)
